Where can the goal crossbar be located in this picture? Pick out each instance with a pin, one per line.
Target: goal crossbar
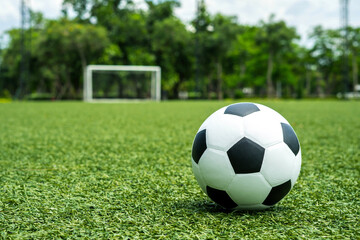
(155, 78)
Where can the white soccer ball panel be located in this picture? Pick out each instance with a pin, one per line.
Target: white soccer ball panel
(248, 189)
(274, 113)
(224, 131)
(198, 176)
(215, 169)
(212, 116)
(251, 207)
(263, 128)
(277, 164)
(296, 168)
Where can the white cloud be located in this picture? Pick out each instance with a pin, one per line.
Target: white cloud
(50, 9)
(187, 10)
(8, 10)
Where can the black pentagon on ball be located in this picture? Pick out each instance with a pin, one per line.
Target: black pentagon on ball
(246, 156)
(290, 138)
(277, 193)
(241, 109)
(220, 197)
(199, 145)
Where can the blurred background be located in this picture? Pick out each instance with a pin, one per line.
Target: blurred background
(207, 49)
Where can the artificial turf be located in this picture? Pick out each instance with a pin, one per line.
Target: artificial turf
(103, 171)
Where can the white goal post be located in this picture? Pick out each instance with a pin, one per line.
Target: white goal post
(154, 70)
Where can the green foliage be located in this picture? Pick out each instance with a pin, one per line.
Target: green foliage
(173, 49)
(59, 53)
(105, 171)
(276, 38)
(111, 56)
(242, 60)
(327, 54)
(65, 42)
(214, 55)
(276, 35)
(5, 94)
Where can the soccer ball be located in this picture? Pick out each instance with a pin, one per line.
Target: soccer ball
(246, 156)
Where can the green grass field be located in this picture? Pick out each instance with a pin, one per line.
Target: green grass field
(77, 170)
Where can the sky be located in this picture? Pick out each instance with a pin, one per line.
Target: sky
(302, 14)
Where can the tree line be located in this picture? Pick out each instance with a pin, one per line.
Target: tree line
(214, 56)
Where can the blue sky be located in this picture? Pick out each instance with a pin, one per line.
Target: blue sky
(303, 14)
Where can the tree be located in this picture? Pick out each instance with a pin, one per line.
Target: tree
(63, 49)
(354, 47)
(276, 38)
(126, 25)
(243, 51)
(326, 52)
(201, 25)
(80, 7)
(217, 57)
(225, 30)
(172, 45)
(159, 12)
(213, 42)
(10, 64)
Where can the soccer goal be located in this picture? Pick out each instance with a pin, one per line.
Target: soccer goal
(122, 82)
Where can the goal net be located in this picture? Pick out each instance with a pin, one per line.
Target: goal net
(122, 82)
